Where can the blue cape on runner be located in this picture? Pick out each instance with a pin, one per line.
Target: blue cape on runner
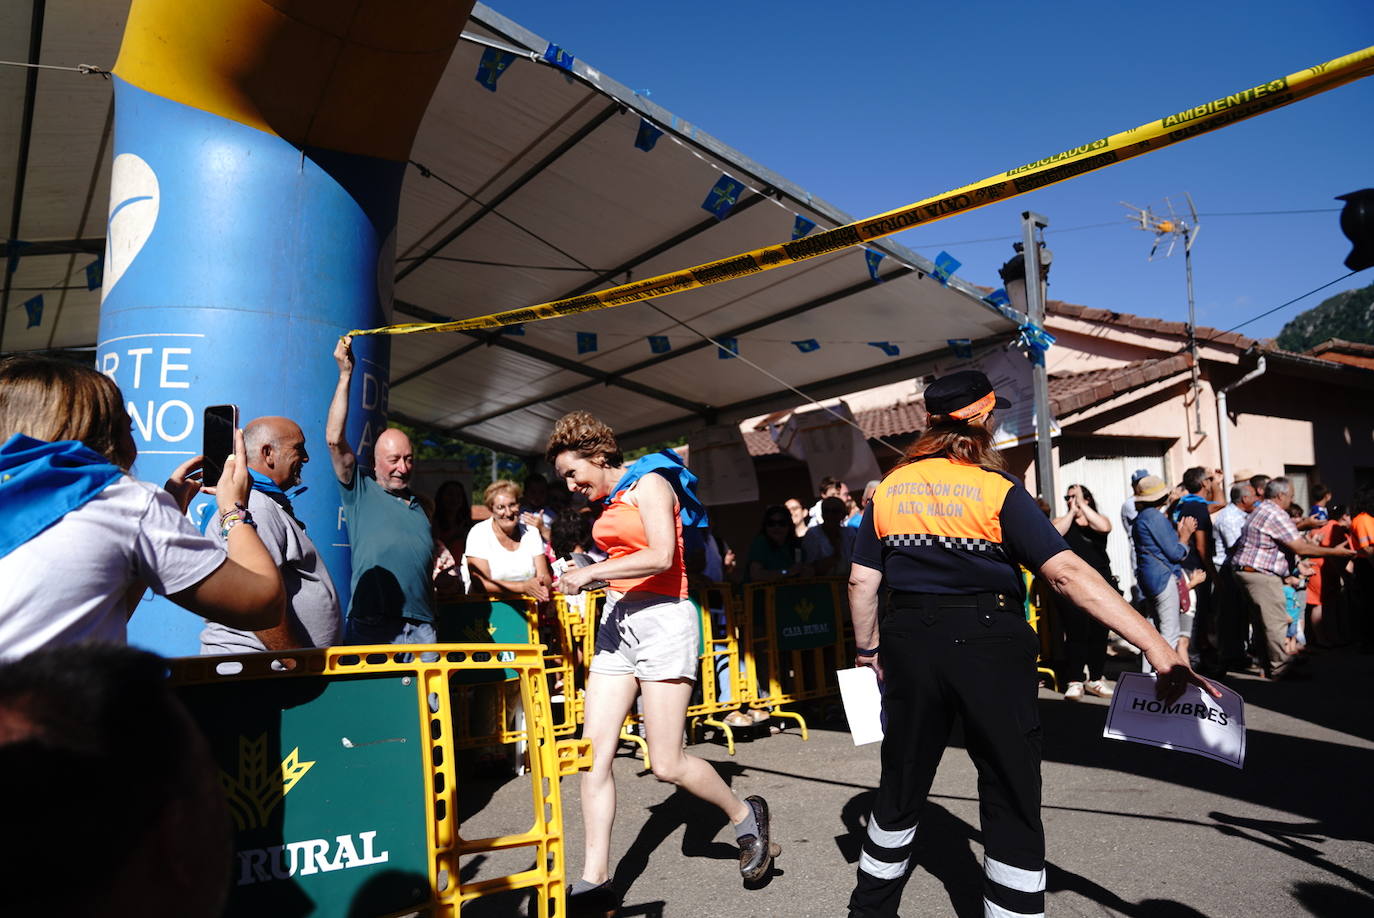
(669, 464)
(41, 482)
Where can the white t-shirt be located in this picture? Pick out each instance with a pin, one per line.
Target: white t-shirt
(513, 566)
(66, 585)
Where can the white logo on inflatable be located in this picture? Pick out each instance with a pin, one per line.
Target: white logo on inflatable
(134, 203)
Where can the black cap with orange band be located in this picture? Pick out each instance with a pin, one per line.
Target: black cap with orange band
(965, 395)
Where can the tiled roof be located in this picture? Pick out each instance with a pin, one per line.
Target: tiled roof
(1070, 392)
(1142, 323)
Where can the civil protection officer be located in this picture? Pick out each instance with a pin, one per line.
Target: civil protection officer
(947, 529)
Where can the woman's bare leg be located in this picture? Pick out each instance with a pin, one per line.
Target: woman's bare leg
(608, 700)
(665, 715)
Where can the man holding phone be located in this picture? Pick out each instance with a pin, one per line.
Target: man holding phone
(276, 454)
(388, 529)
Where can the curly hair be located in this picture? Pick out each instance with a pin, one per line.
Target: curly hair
(51, 400)
(579, 432)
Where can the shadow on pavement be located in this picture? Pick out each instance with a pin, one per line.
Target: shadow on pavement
(701, 823)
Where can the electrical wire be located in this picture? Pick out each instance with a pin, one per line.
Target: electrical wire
(1269, 312)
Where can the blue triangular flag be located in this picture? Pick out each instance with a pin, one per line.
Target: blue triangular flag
(493, 63)
(586, 342)
(34, 307)
(807, 346)
(729, 348)
(16, 248)
(961, 348)
(801, 226)
(95, 273)
(873, 258)
(998, 297)
(723, 196)
(648, 135)
(945, 266)
(517, 329)
(558, 57)
(659, 344)
(887, 347)
(429, 441)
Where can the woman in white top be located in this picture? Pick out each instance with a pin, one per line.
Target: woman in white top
(504, 555)
(80, 539)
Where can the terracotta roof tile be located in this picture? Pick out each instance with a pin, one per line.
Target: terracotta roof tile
(1070, 392)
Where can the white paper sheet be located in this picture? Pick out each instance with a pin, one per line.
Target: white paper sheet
(863, 703)
(1196, 722)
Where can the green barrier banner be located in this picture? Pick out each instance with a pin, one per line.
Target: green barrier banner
(481, 622)
(326, 785)
(804, 614)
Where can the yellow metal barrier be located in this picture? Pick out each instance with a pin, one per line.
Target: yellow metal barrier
(341, 710)
(1035, 603)
(719, 655)
(794, 640)
(487, 714)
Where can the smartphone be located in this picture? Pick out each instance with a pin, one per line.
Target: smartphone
(217, 441)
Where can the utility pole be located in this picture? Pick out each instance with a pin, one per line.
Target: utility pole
(1030, 297)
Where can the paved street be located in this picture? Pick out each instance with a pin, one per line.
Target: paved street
(1132, 830)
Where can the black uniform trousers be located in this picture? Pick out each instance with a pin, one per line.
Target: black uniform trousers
(972, 657)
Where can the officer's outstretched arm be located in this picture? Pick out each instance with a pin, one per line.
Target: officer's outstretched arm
(1076, 580)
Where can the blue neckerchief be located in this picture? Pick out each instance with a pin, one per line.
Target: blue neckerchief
(42, 482)
(1177, 514)
(668, 464)
(269, 487)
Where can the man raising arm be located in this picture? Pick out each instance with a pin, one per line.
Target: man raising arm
(388, 529)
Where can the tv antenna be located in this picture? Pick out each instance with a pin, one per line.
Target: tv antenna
(1173, 228)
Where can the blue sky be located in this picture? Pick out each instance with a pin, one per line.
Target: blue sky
(875, 105)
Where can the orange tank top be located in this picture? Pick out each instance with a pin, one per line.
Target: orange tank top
(620, 531)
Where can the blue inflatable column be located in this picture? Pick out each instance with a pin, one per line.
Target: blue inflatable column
(235, 256)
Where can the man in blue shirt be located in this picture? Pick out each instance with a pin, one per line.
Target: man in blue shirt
(388, 529)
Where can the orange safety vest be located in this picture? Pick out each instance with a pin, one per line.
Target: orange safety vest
(936, 502)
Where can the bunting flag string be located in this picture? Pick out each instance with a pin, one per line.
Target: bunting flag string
(945, 266)
(647, 135)
(492, 64)
(962, 348)
(887, 347)
(659, 344)
(723, 197)
(807, 346)
(586, 342)
(34, 307)
(561, 59)
(95, 273)
(998, 297)
(873, 257)
(728, 349)
(801, 227)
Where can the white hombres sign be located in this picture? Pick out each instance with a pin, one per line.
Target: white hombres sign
(1196, 722)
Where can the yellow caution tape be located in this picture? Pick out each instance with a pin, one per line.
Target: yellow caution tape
(1089, 157)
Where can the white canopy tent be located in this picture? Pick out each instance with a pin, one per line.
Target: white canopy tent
(530, 193)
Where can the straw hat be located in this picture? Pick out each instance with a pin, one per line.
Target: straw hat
(1240, 475)
(1149, 489)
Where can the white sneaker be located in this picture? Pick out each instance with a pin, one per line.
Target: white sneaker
(1074, 691)
(1099, 687)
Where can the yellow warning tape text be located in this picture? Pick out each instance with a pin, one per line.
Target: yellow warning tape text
(1089, 157)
